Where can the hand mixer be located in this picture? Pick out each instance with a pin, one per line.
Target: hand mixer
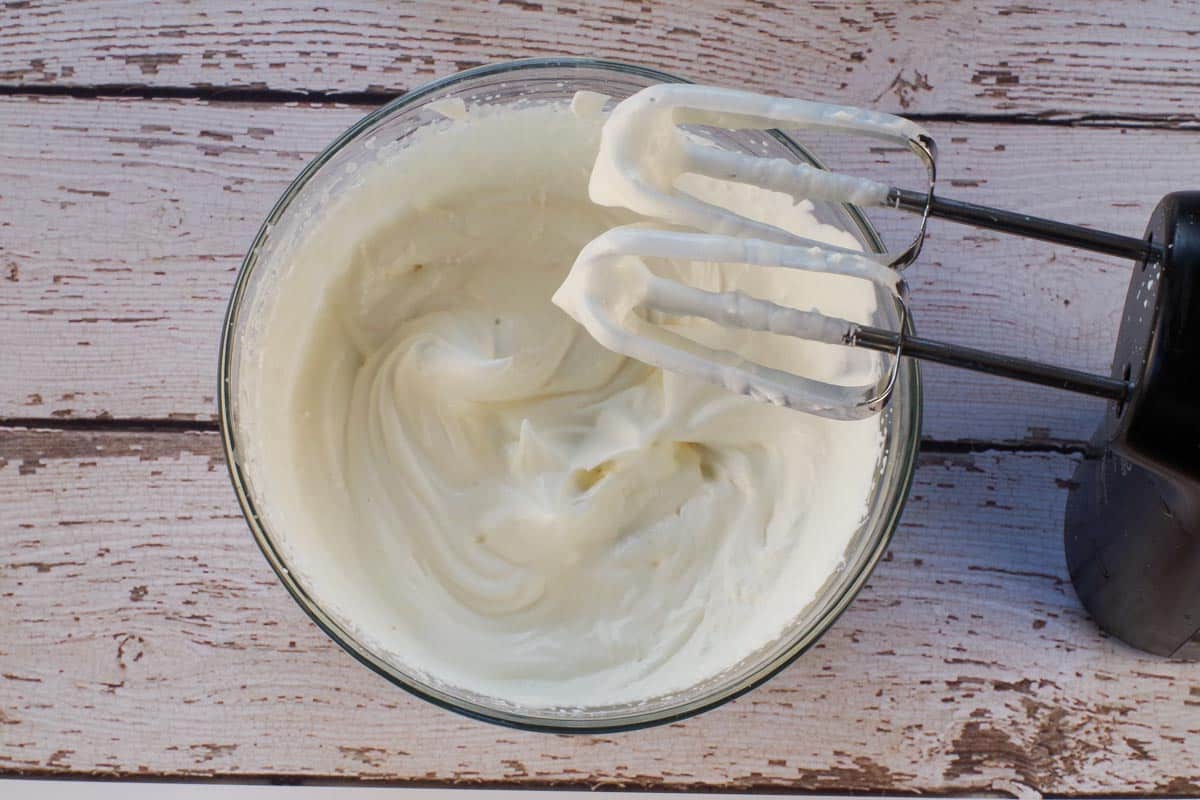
(1133, 512)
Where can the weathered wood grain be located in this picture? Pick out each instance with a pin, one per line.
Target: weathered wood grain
(123, 222)
(1075, 59)
(141, 633)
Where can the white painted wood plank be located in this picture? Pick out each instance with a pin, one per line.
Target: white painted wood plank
(123, 222)
(122, 226)
(141, 633)
(1074, 58)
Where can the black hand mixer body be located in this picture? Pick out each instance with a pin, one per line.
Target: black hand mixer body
(1132, 530)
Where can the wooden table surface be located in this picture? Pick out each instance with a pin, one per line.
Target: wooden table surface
(142, 633)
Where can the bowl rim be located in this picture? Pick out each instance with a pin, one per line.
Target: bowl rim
(336, 632)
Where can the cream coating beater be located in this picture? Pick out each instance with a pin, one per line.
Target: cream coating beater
(645, 149)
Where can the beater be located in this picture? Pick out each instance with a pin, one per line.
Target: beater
(643, 153)
(1133, 512)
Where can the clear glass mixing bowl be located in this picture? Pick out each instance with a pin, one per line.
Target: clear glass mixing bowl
(545, 80)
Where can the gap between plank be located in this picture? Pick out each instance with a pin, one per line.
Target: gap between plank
(376, 97)
(111, 425)
(421, 789)
(165, 426)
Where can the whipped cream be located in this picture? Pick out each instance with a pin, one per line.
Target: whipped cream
(483, 495)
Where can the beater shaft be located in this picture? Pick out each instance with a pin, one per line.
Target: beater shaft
(1046, 230)
(1071, 380)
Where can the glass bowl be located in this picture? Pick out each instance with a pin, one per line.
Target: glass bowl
(544, 80)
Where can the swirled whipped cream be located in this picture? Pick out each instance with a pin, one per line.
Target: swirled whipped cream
(487, 498)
